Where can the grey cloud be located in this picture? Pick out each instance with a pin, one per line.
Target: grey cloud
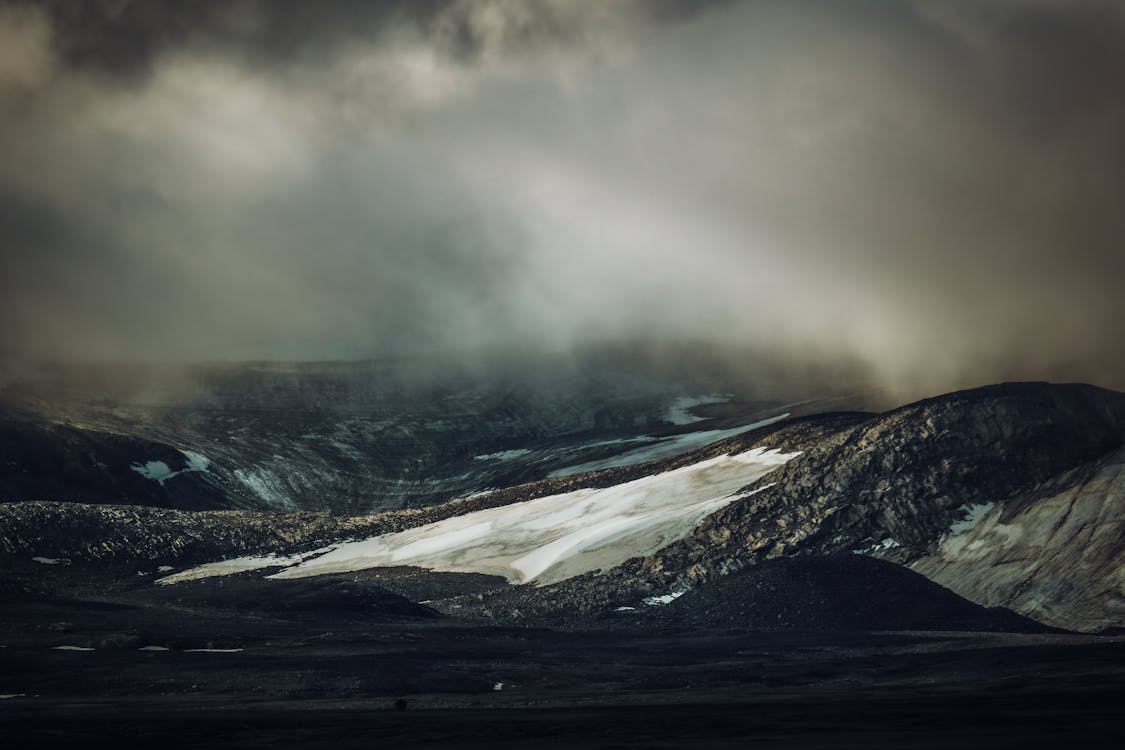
(932, 188)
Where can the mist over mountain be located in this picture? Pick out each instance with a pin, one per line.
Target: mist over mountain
(927, 188)
(553, 373)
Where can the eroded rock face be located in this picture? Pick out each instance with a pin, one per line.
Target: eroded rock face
(1056, 553)
(904, 486)
(895, 485)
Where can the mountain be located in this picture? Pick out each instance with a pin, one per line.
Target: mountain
(839, 592)
(1008, 496)
(354, 437)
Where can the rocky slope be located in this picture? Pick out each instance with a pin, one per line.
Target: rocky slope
(910, 486)
(345, 437)
(1055, 553)
(838, 592)
(1008, 495)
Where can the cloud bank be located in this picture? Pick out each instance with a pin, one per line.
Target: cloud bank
(933, 188)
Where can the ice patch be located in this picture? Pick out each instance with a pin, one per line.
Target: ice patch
(72, 648)
(211, 650)
(663, 448)
(625, 609)
(153, 648)
(160, 472)
(51, 560)
(502, 455)
(973, 515)
(560, 536)
(498, 686)
(660, 601)
(157, 471)
(679, 413)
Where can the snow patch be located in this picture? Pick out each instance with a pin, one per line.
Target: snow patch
(160, 472)
(238, 565)
(978, 534)
(51, 560)
(196, 461)
(498, 686)
(72, 648)
(153, 648)
(887, 544)
(663, 448)
(502, 455)
(973, 515)
(163, 568)
(211, 650)
(9, 696)
(679, 413)
(157, 471)
(660, 601)
(551, 538)
(265, 484)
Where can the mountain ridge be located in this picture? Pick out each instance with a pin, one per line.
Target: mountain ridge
(917, 486)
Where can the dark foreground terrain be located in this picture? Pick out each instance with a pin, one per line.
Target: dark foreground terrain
(339, 663)
(915, 578)
(791, 718)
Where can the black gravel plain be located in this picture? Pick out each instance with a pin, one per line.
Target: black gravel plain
(347, 663)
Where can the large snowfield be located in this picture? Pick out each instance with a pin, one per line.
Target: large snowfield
(548, 539)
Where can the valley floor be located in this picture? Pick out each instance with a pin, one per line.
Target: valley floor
(151, 670)
(792, 719)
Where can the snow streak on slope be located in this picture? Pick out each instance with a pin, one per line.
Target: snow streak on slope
(664, 448)
(238, 565)
(560, 536)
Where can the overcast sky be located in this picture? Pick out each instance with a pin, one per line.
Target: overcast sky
(936, 188)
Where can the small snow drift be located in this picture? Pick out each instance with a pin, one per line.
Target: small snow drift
(552, 538)
(237, 565)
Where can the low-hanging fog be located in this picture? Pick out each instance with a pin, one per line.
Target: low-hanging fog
(934, 189)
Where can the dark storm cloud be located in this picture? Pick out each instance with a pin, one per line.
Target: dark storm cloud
(933, 187)
(127, 37)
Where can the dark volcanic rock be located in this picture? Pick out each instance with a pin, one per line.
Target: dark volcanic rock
(43, 460)
(842, 592)
(329, 596)
(1045, 458)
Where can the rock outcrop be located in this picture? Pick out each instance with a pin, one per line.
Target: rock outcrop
(910, 486)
